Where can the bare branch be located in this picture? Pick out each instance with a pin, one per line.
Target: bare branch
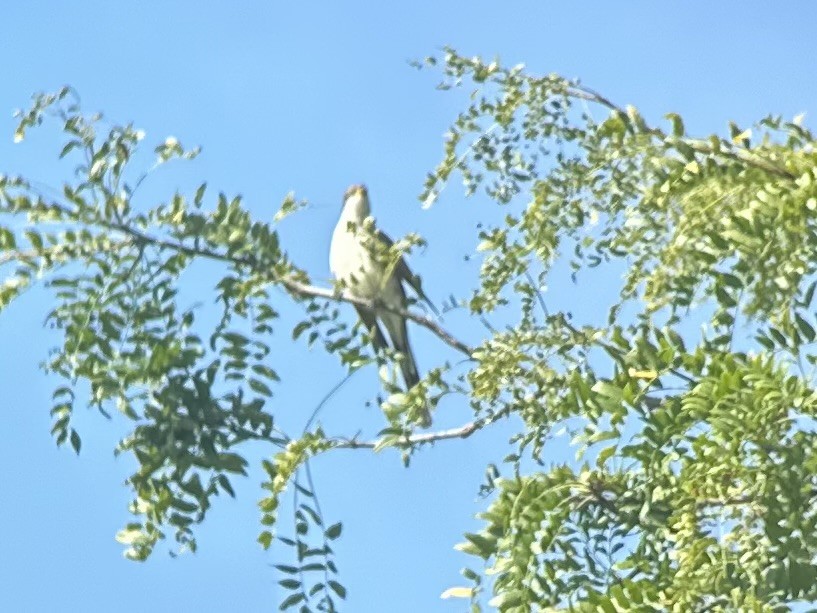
(591, 95)
(429, 437)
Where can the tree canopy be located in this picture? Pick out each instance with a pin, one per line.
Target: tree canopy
(688, 396)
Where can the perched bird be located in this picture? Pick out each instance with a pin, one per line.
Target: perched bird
(358, 259)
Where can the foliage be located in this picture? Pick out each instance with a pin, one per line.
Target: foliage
(688, 395)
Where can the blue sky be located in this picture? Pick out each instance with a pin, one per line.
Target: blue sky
(311, 97)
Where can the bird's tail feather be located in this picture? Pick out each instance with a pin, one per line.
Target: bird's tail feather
(409, 369)
(410, 375)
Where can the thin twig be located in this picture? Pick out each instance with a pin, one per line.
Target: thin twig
(12, 256)
(538, 292)
(326, 399)
(318, 510)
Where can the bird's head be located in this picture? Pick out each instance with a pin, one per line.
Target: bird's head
(356, 203)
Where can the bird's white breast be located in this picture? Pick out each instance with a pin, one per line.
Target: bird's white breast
(352, 263)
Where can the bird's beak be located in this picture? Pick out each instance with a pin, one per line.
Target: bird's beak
(356, 190)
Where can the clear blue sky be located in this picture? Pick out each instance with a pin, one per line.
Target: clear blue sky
(311, 97)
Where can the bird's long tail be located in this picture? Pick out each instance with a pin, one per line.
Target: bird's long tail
(398, 332)
(408, 366)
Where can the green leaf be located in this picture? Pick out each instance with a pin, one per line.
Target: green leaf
(605, 454)
(76, 442)
(265, 371)
(232, 462)
(677, 124)
(478, 544)
(333, 531)
(197, 199)
(337, 588)
(224, 482)
(507, 600)
(259, 387)
(292, 600)
(299, 329)
(806, 329)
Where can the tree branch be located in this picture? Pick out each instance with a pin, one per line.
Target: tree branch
(700, 146)
(429, 437)
(305, 290)
(291, 284)
(301, 289)
(14, 255)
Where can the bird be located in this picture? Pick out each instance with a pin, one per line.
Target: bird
(357, 259)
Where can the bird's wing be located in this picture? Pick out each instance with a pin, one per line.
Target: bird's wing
(403, 273)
